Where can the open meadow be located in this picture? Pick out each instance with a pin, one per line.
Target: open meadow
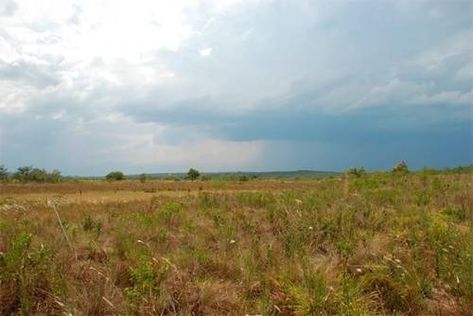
(372, 244)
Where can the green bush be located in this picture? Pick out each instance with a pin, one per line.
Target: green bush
(29, 174)
(193, 174)
(400, 167)
(3, 173)
(115, 176)
(356, 172)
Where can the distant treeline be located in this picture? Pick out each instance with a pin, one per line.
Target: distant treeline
(29, 174)
(239, 175)
(459, 169)
(402, 168)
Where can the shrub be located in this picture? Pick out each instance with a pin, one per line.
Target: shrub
(3, 173)
(356, 172)
(89, 224)
(25, 275)
(243, 178)
(400, 167)
(30, 174)
(115, 176)
(193, 174)
(147, 280)
(143, 178)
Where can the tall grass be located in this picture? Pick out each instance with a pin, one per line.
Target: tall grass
(374, 244)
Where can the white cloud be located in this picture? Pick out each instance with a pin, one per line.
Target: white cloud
(138, 146)
(13, 97)
(446, 98)
(102, 66)
(459, 43)
(204, 52)
(7, 7)
(122, 35)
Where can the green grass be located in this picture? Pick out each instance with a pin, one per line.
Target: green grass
(375, 244)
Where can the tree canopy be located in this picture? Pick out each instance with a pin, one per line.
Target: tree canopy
(193, 174)
(29, 174)
(115, 176)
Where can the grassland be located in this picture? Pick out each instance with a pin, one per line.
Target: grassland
(379, 244)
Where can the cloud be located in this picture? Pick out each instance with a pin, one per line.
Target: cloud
(28, 74)
(204, 52)
(204, 154)
(283, 85)
(8, 7)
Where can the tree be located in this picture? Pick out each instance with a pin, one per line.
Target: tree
(400, 167)
(23, 174)
(356, 172)
(30, 174)
(38, 175)
(243, 178)
(115, 176)
(143, 178)
(193, 174)
(55, 176)
(3, 173)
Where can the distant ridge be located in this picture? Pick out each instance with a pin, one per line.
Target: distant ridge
(249, 174)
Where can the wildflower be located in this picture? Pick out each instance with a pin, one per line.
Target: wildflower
(311, 228)
(232, 241)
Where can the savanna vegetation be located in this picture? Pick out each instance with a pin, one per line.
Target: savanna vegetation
(27, 174)
(394, 243)
(115, 176)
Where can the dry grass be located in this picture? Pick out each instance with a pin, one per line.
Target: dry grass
(380, 244)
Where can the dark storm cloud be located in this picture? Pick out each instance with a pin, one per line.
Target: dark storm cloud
(309, 84)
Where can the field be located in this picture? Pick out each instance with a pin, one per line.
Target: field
(377, 244)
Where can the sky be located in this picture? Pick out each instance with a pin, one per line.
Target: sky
(90, 86)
